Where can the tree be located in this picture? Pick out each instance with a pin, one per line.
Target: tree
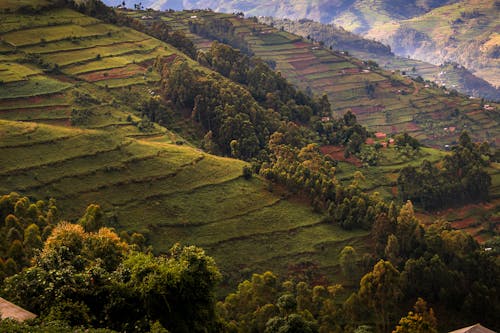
(293, 323)
(348, 262)
(421, 320)
(93, 219)
(380, 290)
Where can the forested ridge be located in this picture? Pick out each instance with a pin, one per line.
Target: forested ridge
(93, 274)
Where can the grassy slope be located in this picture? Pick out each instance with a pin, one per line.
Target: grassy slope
(143, 180)
(470, 41)
(398, 104)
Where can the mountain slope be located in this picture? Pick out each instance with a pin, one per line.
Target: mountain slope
(465, 33)
(452, 75)
(383, 101)
(70, 129)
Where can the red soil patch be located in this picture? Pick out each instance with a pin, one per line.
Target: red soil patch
(474, 112)
(465, 223)
(412, 127)
(115, 73)
(350, 71)
(300, 45)
(394, 191)
(337, 153)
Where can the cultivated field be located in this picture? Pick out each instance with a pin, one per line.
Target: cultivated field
(70, 129)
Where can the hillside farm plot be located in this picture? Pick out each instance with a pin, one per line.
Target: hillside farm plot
(36, 85)
(65, 58)
(12, 72)
(46, 34)
(115, 73)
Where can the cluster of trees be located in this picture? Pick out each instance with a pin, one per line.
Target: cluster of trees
(24, 226)
(221, 30)
(267, 87)
(461, 179)
(308, 171)
(345, 131)
(445, 267)
(265, 304)
(87, 275)
(239, 126)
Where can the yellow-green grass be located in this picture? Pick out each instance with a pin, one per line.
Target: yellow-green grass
(53, 17)
(12, 72)
(48, 34)
(124, 82)
(115, 62)
(62, 112)
(36, 85)
(64, 58)
(123, 36)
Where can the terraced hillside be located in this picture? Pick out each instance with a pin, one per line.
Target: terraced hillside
(465, 32)
(70, 129)
(383, 101)
(452, 75)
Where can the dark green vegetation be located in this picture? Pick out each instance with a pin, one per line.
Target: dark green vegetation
(463, 178)
(453, 75)
(85, 274)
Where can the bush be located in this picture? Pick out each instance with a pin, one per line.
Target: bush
(247, 172)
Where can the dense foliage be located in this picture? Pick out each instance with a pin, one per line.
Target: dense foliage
(87, 275)
(24, 226)
(461, 179)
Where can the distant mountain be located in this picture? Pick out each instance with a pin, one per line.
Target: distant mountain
(466, 33)
(357, 15)
(450, 74)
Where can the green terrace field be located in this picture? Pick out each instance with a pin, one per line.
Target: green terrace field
(170, 193)
(73, 133)
(382, 100)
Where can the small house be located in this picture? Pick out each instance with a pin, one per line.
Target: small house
(380, 135)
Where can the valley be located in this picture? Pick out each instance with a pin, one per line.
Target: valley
(197, 171)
